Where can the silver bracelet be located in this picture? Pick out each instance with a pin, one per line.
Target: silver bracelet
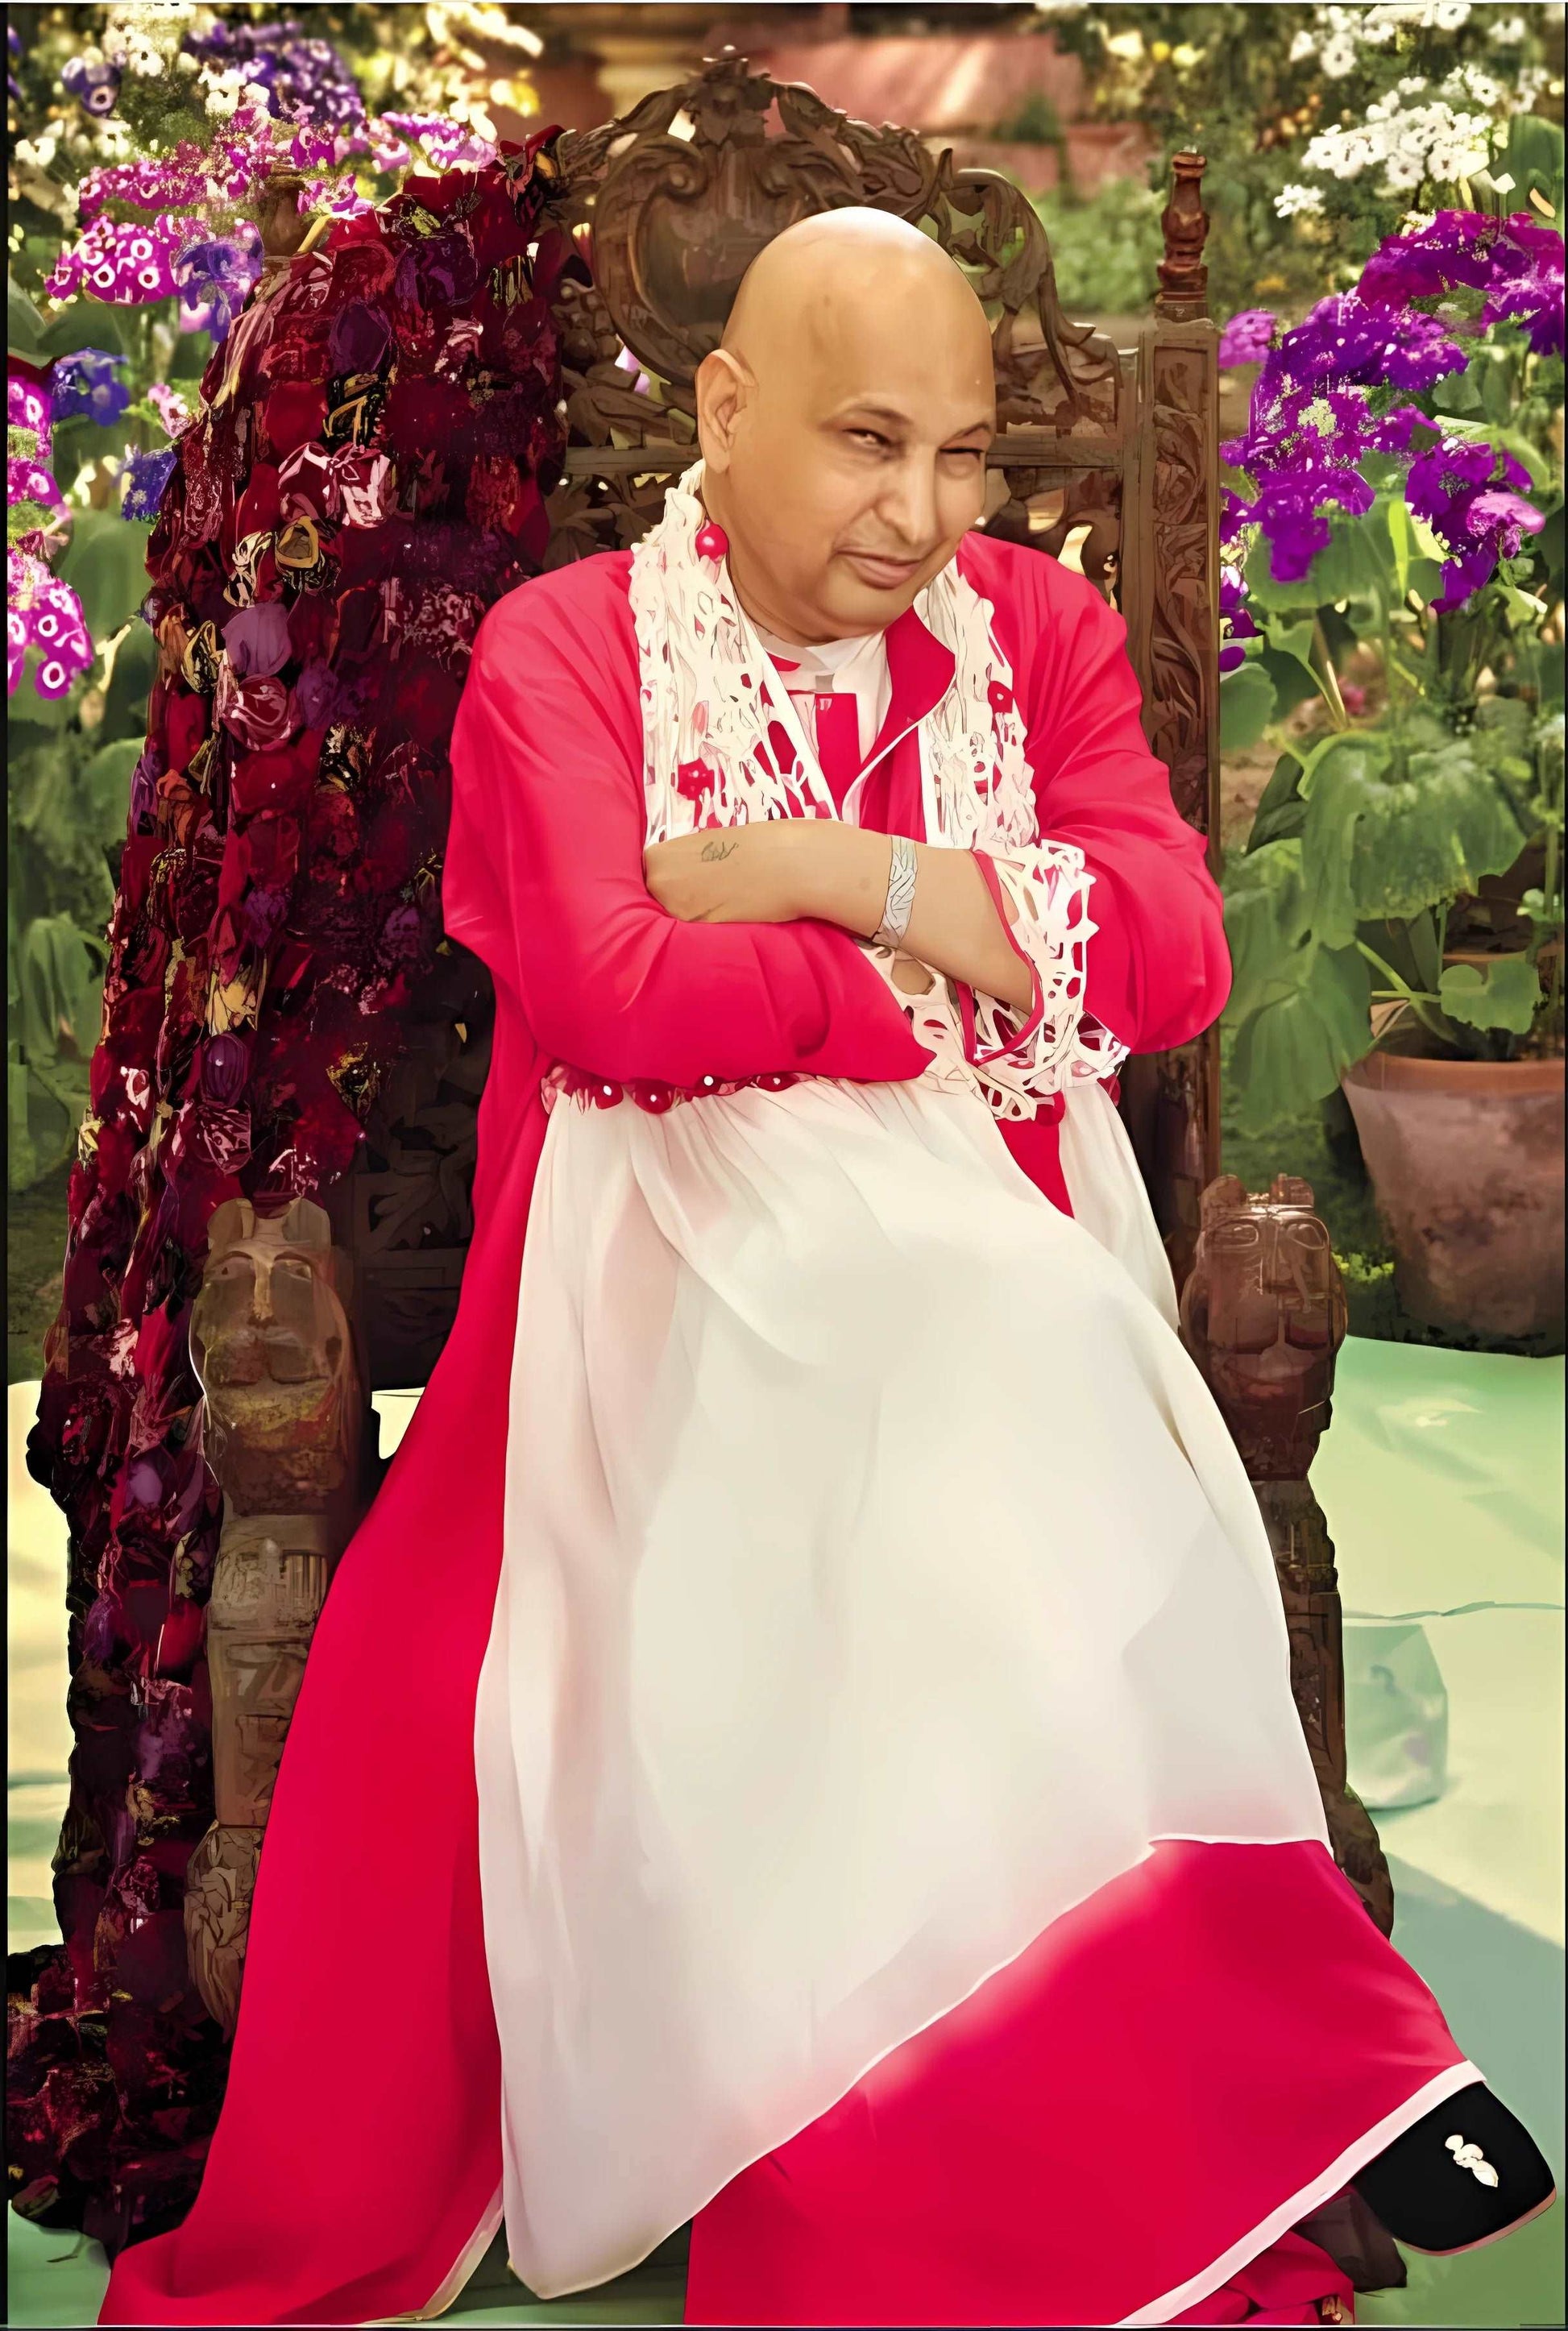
(900, 905)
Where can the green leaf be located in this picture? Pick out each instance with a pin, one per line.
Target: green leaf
(104, 794)
(30, 709)
(1295, 682)
(1247, 706)
(130, 683)
(1549, 548)
(1505, 994)
(1356, 563)
(1459, 394)
(1507, 725)
(1386, 838)
(1282, 812)
(1267, 926)
(1532, 155)
(86, 323)
(1294, 1050)
(81, 444)
(193, 354)
(1401, 544)
(1497, 398)
(105, 564)
(59, 984)
(24, 325)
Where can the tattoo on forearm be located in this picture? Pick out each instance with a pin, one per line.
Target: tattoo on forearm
(717, 849)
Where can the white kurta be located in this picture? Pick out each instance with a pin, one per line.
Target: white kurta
(880, 1580)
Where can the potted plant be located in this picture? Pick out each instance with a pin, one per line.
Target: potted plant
(1397, 918)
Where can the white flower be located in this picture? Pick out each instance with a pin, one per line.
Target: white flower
(1469, 81)
(1338, 56)
(1509, 33)
(1293, 200)
(1305, 45)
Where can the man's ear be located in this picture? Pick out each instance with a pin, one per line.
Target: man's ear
(723, 385)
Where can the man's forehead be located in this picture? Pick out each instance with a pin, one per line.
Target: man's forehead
(889, 355)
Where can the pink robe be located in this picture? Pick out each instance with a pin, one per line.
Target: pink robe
(1122, 2119)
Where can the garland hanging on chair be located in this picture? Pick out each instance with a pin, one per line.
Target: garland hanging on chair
(367, 477)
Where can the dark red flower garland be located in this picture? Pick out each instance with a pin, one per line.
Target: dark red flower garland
(368, 478)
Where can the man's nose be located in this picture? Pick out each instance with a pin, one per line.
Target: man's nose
(909, 504)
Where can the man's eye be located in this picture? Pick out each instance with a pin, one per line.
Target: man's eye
(963, 453)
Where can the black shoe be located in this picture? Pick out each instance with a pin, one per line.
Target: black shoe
(1461, 2176)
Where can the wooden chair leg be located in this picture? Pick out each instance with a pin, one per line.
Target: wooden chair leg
(1263, 1315)
(1309, 1585)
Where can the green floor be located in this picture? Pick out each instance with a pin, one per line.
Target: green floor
(1443, 1484)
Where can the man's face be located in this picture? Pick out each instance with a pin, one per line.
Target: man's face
(853, 462)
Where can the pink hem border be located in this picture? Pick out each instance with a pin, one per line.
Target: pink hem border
(1338, 2174)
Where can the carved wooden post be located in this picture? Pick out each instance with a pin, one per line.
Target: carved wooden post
(284, 225)
(1263, 1315)
(280, 1377)
(1171, 599)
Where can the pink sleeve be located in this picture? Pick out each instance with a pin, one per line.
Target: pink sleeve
(544, 882)
(1156, 969)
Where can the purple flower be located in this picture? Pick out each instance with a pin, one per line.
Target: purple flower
(146, 475)
(1287, 509)
(1469, 494)
(126, 264)
(1235, 623)
(257, 640)
(45, 613)
(218, 275)
(306, 81)
(1245, 338)
(1516, 262)
(82, 385)
(95, 87)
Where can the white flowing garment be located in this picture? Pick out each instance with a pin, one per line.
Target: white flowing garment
(880, 1580)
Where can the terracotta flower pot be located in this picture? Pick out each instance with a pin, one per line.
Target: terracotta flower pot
(1465, 1161)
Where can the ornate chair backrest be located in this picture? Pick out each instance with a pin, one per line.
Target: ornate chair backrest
(1108, 457)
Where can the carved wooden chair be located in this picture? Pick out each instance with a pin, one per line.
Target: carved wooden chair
(1106, 457)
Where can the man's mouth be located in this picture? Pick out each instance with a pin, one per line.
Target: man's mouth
(883, 574)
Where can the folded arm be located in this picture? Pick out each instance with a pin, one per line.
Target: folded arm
(817, 867)
(544, 881)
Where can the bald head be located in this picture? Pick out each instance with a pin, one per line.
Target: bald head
(841, 271)
(844, 423)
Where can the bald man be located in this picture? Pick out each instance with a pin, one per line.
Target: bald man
(803, 1743)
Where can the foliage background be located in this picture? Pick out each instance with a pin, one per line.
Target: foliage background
(1252, 86)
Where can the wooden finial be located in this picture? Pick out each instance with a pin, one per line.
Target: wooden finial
(282, 222)
(1184, 294)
